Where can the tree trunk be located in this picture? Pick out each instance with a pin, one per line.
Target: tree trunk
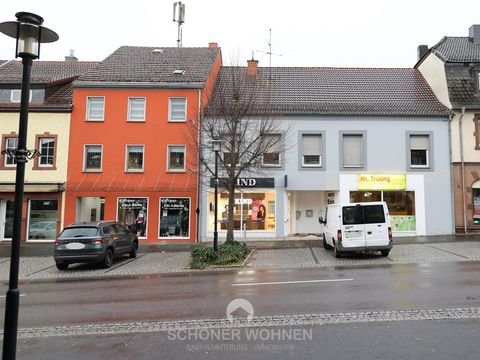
(231, 206)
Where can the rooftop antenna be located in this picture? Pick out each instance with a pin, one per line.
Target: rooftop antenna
(179, 17)
(269, 52)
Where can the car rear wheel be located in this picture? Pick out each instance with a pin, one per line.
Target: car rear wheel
(62, 266)
(108, 258)
(385, 252)
(133, 253)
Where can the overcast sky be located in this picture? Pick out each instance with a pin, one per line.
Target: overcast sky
(351, 33)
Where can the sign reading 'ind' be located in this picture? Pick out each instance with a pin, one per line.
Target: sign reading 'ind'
(382, 182)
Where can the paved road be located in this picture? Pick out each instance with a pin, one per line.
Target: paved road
(427, 340)
(272, 292)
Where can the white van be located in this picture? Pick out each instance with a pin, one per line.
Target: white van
(357, 227)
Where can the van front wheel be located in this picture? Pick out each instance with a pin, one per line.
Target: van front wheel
(325, 244)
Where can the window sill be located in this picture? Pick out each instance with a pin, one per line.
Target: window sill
(176, 171)
(92, 171)
(177, 121)
(136, 121)
(134, 171)
(48, 168)
(8, 167)
(90, 120)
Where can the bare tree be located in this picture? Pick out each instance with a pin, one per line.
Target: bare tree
(239, 113)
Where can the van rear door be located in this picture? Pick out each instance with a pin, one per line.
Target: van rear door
(353, 227)
(376, 227)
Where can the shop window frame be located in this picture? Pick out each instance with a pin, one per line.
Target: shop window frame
(146, 216)
(189, 217)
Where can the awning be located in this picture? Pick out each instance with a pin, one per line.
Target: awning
(34, 187)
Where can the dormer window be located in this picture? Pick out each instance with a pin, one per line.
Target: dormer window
(16, 96)
(179, 72)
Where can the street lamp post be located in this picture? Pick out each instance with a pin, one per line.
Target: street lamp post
(216, 147)
(29, 33)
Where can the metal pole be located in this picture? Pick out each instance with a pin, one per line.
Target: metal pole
(13, 293)
(215, 225)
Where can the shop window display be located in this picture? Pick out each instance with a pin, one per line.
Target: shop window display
(132, 212)
(401, 206)
(250, 212)
(42, 221)
(174, 217)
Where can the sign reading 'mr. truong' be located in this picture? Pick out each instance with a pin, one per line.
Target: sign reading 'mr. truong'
(246, 182)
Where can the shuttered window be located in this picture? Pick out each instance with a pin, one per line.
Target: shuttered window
(419, 149)
(271, 157)
(136, 109)
(178, 109)
(312, 150)
(95, 108)
(352, 150)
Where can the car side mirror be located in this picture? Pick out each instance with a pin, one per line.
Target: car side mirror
(321, 221)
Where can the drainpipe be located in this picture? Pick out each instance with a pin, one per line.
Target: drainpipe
(197, 210)
(462, 166)
(452, 184)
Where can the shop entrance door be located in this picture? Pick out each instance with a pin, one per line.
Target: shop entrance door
(6, 219)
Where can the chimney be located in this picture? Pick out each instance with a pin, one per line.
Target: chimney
(252, 68)
(213, 45)
(474, 34)
(421, 51)
(71, 57)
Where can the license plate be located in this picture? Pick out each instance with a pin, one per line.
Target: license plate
(354, 234)
(75, 246)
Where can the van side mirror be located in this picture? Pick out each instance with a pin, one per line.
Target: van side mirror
(321, 221)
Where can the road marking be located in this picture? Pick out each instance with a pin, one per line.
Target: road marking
(290, 282)
(4, 296)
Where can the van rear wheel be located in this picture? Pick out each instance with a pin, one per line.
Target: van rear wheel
(337, 253)
(385, 252)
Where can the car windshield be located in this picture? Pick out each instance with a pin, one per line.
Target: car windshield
(84, 231)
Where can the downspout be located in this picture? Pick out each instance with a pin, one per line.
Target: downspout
(462, 168)
(452, 184)
(199, 185)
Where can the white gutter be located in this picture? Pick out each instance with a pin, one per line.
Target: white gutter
(452, 183)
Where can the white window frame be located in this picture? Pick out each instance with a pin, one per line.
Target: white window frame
(129, 114)
(87, 115)
(427, 152)
(184, 157)
(320, 157)
(39, 164)
(6, 157)
(126, 158)
(16, 96)
(170, 109)
(85, 158)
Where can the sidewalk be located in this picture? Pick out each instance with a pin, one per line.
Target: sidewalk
(267, 255)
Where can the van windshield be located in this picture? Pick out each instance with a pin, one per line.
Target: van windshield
(366, 214)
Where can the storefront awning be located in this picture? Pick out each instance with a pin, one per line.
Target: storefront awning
(34, 187)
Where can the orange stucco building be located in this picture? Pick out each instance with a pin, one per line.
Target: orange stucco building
(133, 140)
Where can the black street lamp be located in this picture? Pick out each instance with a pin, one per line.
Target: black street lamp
(216, 147)
(29, 33)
